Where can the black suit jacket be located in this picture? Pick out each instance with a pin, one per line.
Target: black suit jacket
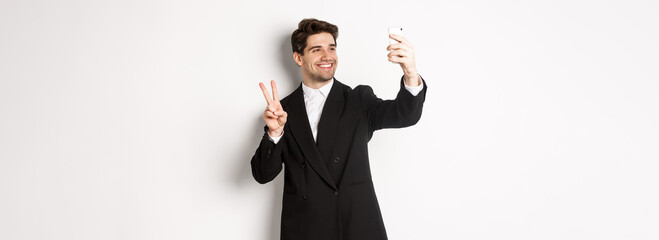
(328, 191)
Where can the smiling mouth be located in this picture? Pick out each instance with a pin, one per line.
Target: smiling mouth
(325, 66)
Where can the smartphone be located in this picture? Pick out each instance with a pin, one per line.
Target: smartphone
(397, 31)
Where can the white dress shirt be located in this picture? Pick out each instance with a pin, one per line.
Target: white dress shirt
(314, 101)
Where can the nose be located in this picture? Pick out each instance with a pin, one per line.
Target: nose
(326, 56)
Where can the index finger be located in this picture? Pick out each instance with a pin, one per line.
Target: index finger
(275, 92)
(265, 93)
(400, 39)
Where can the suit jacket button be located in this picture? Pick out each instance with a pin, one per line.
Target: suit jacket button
(305, 197)
(336, 193)
(336, 160)
(302, 165)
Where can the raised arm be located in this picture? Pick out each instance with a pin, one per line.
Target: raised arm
(406, 109)
(267, 160)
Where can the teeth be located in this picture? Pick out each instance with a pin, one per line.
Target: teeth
(326, 65)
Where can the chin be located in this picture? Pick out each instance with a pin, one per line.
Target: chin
(323, 78)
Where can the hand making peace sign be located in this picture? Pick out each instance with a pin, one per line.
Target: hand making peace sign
(274, 115)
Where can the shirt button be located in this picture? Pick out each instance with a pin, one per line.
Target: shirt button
(336, 193)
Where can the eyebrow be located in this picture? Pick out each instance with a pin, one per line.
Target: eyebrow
(318, 46)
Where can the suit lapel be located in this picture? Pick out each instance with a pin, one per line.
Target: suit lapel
(329, 119)
(298, 122)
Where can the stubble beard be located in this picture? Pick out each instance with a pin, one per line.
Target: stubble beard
(319, 78)
(322, 79)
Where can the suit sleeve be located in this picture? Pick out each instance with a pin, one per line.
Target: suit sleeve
(267, 160)
(403, 111)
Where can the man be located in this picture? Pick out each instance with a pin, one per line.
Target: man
(320, 134)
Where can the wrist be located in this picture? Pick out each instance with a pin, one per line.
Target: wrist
(412, 80)
(275, 132)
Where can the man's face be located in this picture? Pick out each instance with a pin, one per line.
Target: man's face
(319, 60)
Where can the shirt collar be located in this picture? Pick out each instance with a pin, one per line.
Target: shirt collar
(324, 90)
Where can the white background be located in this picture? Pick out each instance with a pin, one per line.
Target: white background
(137, 119)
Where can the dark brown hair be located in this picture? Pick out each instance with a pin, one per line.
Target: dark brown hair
(308, 27)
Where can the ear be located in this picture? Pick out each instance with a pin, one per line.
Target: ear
(298, 58)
